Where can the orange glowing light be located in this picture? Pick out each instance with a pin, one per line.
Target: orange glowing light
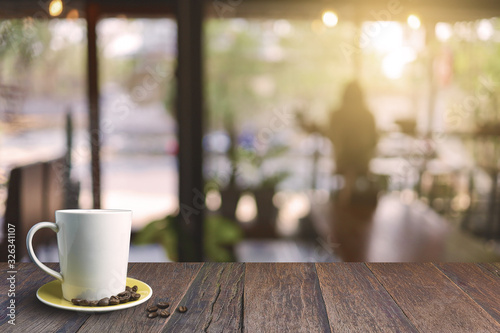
(55, 7)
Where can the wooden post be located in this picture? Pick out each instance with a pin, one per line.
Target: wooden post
(93, 100)
(190, 130)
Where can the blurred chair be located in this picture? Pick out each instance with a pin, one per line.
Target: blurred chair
(35, 191)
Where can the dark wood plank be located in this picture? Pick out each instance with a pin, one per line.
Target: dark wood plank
(24, 270)
(482, 288)
(214, 301)
(357, 302)
(34, 316)
(493, 268)
(283, 298)
(431, 301)
(169, 282)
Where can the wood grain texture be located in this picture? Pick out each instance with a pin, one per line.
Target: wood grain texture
(214, 301)
(299, 297)
(484, 289)
(431, 301)
(29, 307)
(283, 298)
(169, 282)
(357, 302)
(493, 268)
(24, 270)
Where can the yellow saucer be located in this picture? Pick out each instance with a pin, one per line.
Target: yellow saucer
(51, 294)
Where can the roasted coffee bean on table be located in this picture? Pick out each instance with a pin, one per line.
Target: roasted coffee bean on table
(152, 308)
(162, 305)
(161, 310)
(164, 313)
(152, 314)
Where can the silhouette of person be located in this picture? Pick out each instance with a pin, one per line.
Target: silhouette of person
(351, 129)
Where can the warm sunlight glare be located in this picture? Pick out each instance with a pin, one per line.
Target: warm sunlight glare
(394, 63)
(55, 7)
(413, 22)
(485, 30)
(330, 19)
(443, 31)
(384, 36)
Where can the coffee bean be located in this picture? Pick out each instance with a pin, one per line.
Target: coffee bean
(76, 301)
(114, 300)
(162, 305)
(152, 314)
(151, 308)
(104, 302)
(124, 297)
(164, 313)
(182, 309)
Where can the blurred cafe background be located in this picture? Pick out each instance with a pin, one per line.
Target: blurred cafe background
(232, 128)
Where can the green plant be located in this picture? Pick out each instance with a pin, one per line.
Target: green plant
(254, 161)
(220, 235)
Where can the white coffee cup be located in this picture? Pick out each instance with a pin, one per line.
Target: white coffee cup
(93, 251)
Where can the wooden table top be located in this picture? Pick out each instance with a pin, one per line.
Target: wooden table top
(277, 297)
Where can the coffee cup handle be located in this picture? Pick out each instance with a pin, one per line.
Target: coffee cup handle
(31, 252)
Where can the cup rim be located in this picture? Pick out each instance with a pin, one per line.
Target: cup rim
(93, 211)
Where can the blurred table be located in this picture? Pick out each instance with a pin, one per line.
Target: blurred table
(298, 297)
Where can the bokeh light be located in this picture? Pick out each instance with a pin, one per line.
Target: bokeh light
(330, 19)
(443, 31)
(55, 7)
(413, 22)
